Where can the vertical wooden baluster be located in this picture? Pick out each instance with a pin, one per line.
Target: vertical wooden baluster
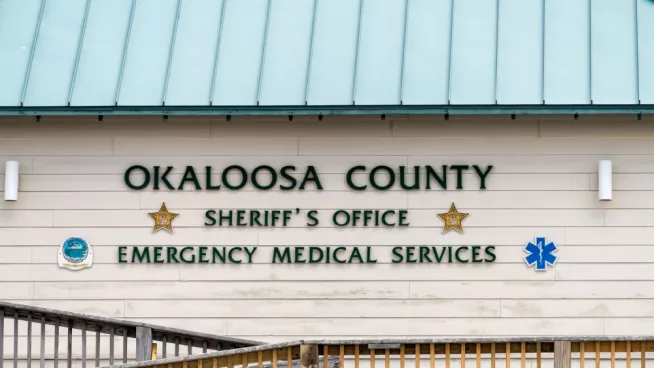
(289, 357)
(597, 354)
(97, 346)
(2, 337)
(538, 360)
(245, 361)
(164, 346)
(401, 355)
(432, 356)
(523, 354)
(215, 363)
(274, 358)
(356, 356)
(112, 332)
(628, 354)
(42, 352)
(387, 359)
(16, 339)
(204, 347)
(125, 345)
(643, 354)
(463, 355)
(508, 355)
(229, 362)
(478, 355)
(562, 354)
(492, 355)
(417, 355)
(29, 340)
(83, 345)
(153, 354)
(260, 359)
(372, 358)
(447, 355)
(176, 346)
(69, 354)
(325, 356)
(56, 344)
(189, 343)
(341, 358)
(612, 354)
(582, 354)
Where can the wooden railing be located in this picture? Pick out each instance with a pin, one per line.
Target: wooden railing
(138, 339)
(585, 352)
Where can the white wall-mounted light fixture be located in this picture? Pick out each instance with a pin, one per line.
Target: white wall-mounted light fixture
(605, 180)
(11, 181)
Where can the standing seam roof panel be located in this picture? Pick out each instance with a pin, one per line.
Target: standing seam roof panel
(645, 22)
(325, 52)
(55, 55)
(18, 21)
(193, 57)
(101, 54)
(240, 53)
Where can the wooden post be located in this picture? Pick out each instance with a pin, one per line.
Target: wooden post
(308, 356)
(143, 344)
(562, 354)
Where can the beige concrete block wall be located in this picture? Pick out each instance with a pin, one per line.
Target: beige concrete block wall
(543, 183)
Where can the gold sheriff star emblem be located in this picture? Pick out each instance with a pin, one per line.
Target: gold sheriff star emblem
(452, 219)
(163, 219)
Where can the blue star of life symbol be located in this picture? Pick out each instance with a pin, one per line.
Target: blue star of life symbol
(540, 254)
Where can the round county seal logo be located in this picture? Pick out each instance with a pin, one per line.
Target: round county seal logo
(75, 254)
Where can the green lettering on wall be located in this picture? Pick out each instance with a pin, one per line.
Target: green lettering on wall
(283, 257)
(217, 253)
(249, 253)
(230, 254)
(312, 255)
(189, 176)
(475, 254)
(158, 256)
(121, 254)
(202, 255)
(136, 254)
(128, 179)
(312, 176)
(355, 254)
(172, 255)
(336, 251)
(457, 255)
(369, 258)
(439, 256)
(482, 175)
(490, 251)
(183, 258)
(397, 255)
(299, 255)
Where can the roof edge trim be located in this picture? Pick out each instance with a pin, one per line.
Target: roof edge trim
(333, 110)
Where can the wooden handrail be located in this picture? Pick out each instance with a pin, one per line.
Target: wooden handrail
(144, 334)
(450, 353)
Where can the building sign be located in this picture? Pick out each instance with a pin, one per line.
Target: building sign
(357, 178)
(541, 254)
(301, 254)
(266, 177)
(75, 254)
